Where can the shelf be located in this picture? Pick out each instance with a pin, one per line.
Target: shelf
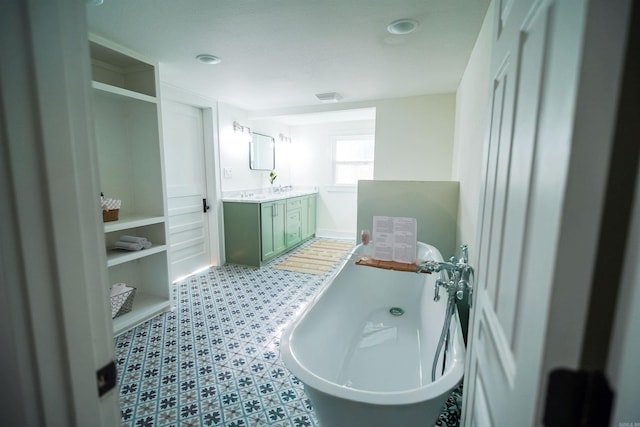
(133, 221)
(126, 102)
(120, 67)
(145, 306)
(115, 257)
(114, 90)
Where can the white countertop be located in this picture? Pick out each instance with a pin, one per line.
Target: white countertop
(265, 195)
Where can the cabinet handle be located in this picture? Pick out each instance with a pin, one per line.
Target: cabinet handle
(205, 206)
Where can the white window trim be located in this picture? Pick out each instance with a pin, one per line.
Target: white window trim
(346, 188)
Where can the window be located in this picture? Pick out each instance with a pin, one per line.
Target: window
(353, 156)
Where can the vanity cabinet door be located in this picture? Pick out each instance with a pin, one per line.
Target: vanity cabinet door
(266, 229)
(272, 222)
(304, 217)
(309, 224)
(279, 227)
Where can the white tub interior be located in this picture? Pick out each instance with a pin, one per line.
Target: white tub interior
(350, 338)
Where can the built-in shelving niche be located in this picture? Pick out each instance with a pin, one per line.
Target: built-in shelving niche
(113, 68)
(129, 152)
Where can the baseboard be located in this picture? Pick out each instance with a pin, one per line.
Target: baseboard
(335, 234)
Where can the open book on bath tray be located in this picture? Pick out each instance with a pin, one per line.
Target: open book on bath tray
(395, 241)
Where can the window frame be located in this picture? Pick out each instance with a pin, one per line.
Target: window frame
(364, 135)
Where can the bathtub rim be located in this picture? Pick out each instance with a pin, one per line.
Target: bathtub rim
(447, 382)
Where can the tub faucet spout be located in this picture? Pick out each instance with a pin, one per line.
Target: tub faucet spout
(456, 275)
(430, 266)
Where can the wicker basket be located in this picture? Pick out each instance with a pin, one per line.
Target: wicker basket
(122, 303)
(112, 215)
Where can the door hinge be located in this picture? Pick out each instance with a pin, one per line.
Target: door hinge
(577, 398)
(106, 378)
(205, 206)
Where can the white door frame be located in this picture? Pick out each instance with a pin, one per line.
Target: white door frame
(575, 201)
(55, 323)
(584, 206)
(211, 161)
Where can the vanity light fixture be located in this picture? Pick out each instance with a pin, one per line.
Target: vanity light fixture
(402, 26)
(284, 138)
(208, 59)
(237, 127)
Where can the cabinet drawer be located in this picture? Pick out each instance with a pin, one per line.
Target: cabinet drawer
(293, 237)
(294, 204)
(293, 220)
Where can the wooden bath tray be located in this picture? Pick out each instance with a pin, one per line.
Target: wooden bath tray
(387, 265)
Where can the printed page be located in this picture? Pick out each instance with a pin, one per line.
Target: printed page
(405, 240)
(383, 238)
(394, 239)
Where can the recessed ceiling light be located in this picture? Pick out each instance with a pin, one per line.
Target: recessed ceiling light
(402, 26)
(208, 59)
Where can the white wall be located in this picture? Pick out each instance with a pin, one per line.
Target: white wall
(414, 138)
(312, 154)
(471, 123)
(410, 133)
(234, 150)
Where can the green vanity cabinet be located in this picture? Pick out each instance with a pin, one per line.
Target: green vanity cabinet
(242, 227)
(272, 233)
(256, 232)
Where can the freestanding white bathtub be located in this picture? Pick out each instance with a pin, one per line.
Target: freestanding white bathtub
(363, 366)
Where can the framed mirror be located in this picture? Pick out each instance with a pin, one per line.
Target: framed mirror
(262, 153)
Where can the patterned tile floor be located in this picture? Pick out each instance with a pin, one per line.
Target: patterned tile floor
(214, 361)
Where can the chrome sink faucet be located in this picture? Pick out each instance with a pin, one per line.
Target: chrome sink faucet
(456, 275)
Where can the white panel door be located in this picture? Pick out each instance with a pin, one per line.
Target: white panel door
(189, 248)
(55, 324)
(520, 215)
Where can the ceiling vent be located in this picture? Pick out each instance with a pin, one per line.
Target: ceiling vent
(329, 97)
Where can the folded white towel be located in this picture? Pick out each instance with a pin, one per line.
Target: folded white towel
(133, 239)
(142, 241)
(130, 246)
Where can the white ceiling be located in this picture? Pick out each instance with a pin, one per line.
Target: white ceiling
(350, 115)
(278, 54)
